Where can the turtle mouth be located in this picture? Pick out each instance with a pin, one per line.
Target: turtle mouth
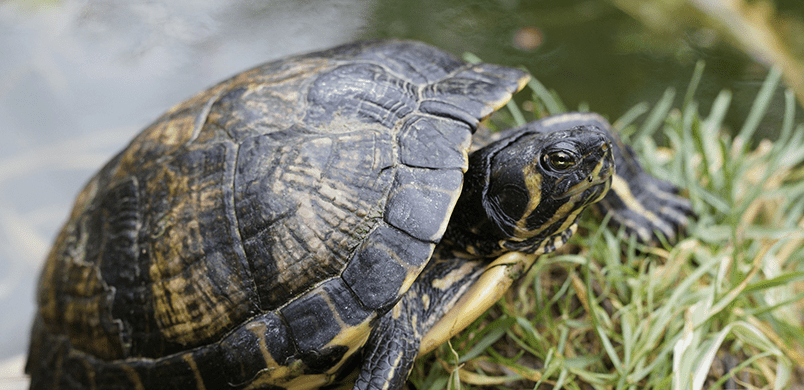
(590, 182)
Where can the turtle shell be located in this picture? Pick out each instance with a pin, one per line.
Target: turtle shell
(252, 234)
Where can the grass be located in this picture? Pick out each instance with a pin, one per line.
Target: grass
(721, 308)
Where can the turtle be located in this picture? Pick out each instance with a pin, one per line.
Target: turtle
(320, 219)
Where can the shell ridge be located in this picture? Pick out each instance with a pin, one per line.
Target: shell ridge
(237, 238)
(203, 116)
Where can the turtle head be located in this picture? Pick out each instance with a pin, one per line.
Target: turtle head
(532, 186)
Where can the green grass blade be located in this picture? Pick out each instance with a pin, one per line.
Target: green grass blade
(694, 82)
(541, 93)
(516, 113)
(623, 122)
(657, 115)
(781, 280)
(760, 106)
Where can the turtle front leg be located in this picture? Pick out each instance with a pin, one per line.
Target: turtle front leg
(389, 353)
(395, 343)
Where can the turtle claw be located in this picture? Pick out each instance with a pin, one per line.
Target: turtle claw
(653, 212)
(645, 206)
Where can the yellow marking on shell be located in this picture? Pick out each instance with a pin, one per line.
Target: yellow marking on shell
(333, 194)
(396, 311)
(258, 329)
(426, 301)
(492, 284)
(133, 376)
(522, 82)
(292, 376)
(353, 337)
(412, 275)
(414, 271)
(191, 362)
(177, 131)
(274, 374)
(453, 276)
(623, 190)
(187, 309)
(90, 304)
(190, 302)
(451, 207)
(336, 202)
(465, 154)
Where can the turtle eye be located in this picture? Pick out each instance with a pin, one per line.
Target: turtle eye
(558, 160)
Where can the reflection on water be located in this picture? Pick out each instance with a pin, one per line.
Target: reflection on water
(78, 78)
